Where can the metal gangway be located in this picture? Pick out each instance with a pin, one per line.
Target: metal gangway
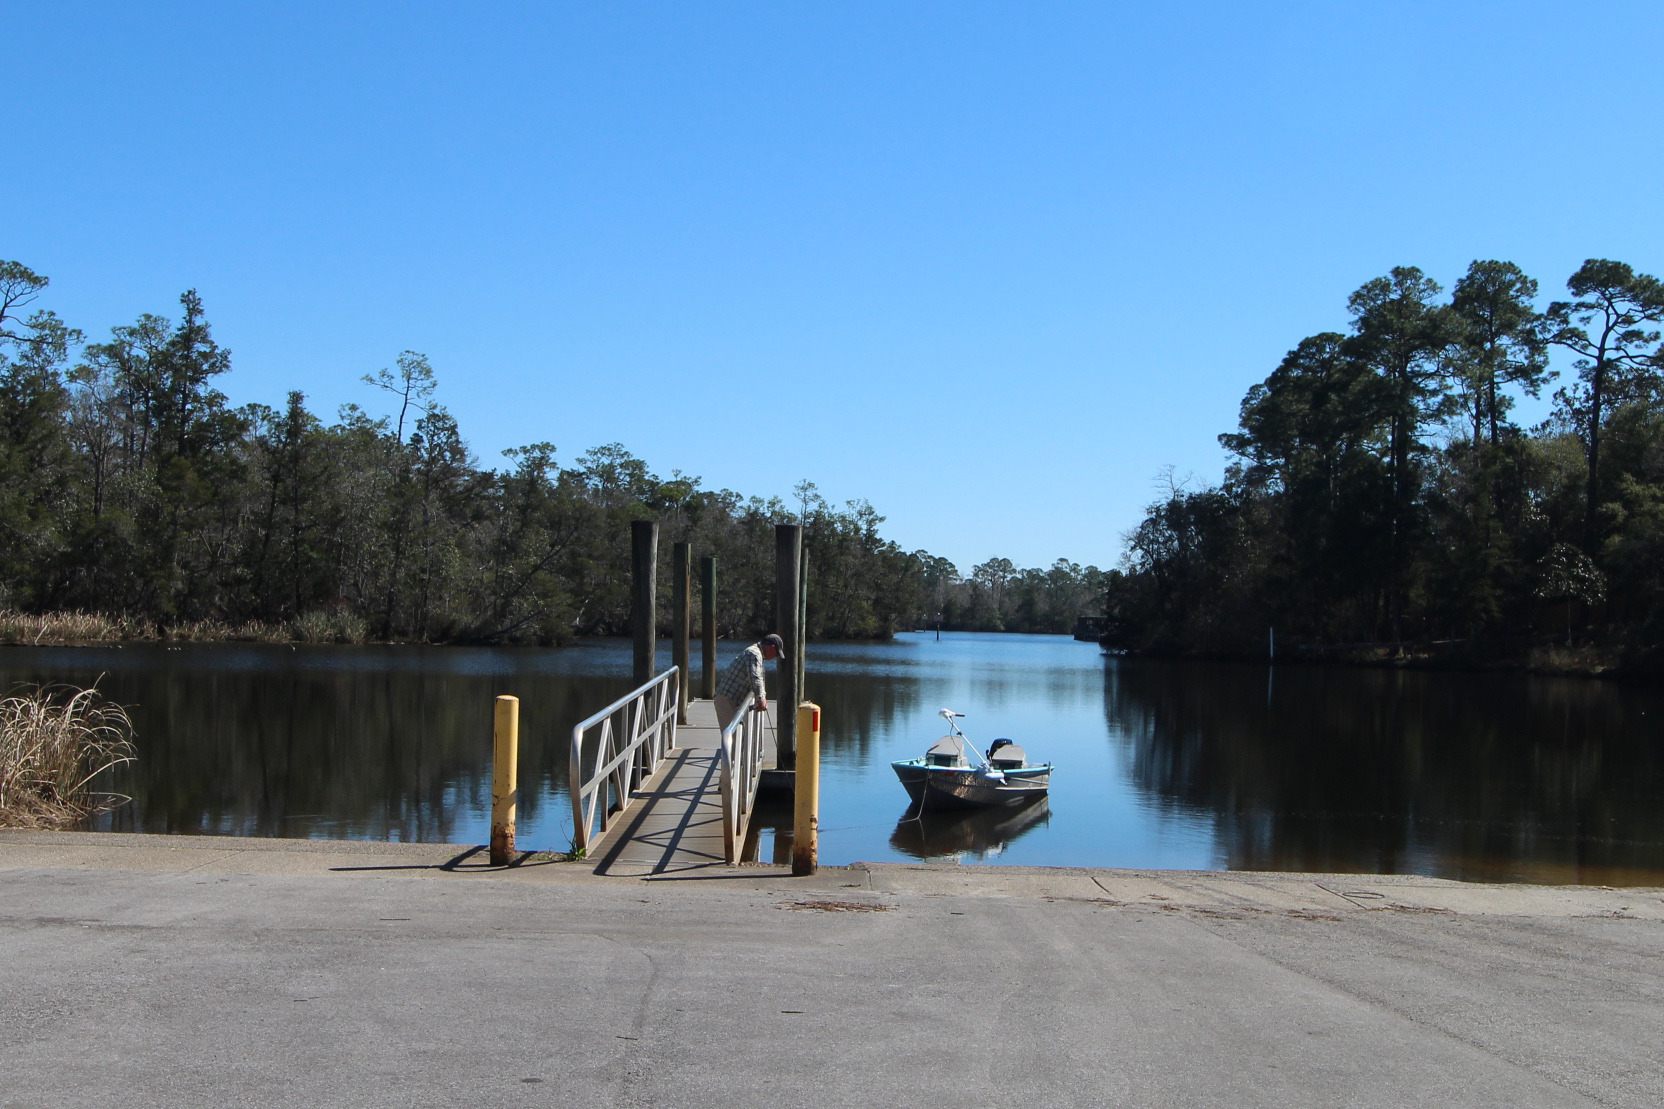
(650, 796)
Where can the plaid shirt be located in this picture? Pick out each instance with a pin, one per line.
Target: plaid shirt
(742, 682)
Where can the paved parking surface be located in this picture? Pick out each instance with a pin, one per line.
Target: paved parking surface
(199, 971)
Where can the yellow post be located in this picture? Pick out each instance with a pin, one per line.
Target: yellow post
(806, 814)
(505, 735)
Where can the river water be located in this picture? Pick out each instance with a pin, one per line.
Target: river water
(1159, 765)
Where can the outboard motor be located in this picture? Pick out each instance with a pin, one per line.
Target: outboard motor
(1006, 755)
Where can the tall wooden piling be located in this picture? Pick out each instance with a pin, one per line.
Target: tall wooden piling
(788, 553)
(644, 565)
(707, 613)
(800, 654)
(505, 754)
(682, 616)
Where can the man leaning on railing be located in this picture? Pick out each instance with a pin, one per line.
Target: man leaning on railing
(742, 682)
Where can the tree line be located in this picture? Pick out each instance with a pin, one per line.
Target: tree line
(1001, 596)
(130, 485)
(1381, 493)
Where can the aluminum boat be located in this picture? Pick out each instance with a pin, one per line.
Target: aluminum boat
(947, 777)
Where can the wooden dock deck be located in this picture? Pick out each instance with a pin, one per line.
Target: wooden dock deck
(673, 823)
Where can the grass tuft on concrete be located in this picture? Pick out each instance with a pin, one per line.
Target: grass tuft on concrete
(54, 743)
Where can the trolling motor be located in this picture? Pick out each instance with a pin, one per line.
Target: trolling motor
(987, 770)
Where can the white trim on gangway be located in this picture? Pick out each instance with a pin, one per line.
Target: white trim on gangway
(671, 808)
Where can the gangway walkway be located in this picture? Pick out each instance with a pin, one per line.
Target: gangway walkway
(673, 822)
(650, 796)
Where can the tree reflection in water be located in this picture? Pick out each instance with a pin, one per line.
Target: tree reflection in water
(1472, 776)
(338, 743)
(1462, 775)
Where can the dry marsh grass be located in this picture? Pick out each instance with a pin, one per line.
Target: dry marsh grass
(54, 742)
(223, 631)
(1556, 659)
(77, 628)
(326, 626)
(68, 627)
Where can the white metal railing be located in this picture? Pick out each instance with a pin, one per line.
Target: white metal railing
(624, 743)
(741, 757)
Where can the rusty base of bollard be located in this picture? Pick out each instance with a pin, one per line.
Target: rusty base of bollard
(502, 848)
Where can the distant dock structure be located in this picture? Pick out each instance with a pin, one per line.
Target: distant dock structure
(1090, 629)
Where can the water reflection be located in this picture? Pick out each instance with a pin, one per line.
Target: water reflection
(1473, 776)
(1159, 765)
(984, 833)
(339, 743)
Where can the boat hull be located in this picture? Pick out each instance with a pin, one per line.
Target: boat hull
(952, 787)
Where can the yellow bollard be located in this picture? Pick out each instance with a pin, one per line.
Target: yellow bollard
(806, 809)
(505, 734)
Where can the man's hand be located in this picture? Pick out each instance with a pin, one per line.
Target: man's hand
(761, 705)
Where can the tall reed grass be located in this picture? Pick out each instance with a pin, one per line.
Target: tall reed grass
(69, 627)
(54, 743)
(329, 626)
(76, 628)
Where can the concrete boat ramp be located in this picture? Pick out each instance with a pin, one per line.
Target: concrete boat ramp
(195, 971)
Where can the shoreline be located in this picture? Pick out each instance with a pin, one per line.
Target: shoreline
(1203, 891)
(1576, 662)
(78, 629)
(1202, 888)
(1542, 660)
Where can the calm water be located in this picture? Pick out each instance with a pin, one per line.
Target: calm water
(1159, 765)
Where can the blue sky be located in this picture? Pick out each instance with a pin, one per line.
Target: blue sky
(992, 267)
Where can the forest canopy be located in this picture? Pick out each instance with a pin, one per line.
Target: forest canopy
(130, 485)
(1381, 492)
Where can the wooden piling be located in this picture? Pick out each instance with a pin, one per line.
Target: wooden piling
(644, 564)
(505, 745)
(788, 552)
(682, 616)
(800, 654)
(707, 606)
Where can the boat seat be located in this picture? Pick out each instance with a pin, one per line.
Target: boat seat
(947, 751)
